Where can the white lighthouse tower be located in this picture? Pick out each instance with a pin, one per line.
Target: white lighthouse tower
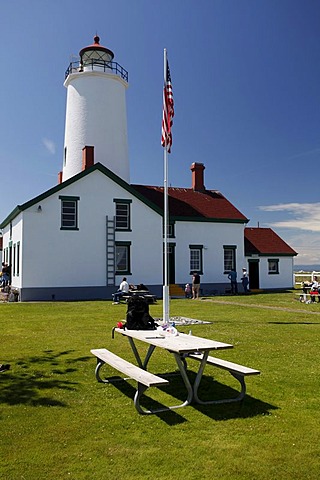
(96, 112)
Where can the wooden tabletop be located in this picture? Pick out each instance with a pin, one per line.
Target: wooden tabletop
(181, 343)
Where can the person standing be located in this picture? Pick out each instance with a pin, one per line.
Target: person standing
(6, 273)
(123, 289)
(233, 280)
(195, 285)
(245, 280)
(314, 291)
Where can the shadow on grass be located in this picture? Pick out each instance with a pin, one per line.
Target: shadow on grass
(171, 417)
(210, 390)
(295, 323)
(28, 378)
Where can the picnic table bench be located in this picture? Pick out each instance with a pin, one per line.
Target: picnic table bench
(303, 296)
(145, 379)
(237, 371)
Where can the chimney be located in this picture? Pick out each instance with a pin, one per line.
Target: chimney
(197, 170)
(87, 157)
(59, 178)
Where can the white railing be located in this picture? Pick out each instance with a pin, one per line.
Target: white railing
(298, 277)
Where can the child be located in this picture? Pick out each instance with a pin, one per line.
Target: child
(187, 290)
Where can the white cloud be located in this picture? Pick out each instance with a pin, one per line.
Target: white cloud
(50, 145)
(304, 154)
(300, 228)
(304, 216)
(307, 245)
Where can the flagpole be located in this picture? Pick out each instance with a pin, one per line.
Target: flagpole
(166, 313)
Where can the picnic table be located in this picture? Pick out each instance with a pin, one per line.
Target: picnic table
(183, 348)
(307, 295)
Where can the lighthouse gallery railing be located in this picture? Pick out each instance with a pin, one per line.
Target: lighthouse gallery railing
(97, 65)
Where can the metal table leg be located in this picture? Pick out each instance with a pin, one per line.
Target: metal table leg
(199, 377)
(143, 364)
(238, 377)
(185, 378)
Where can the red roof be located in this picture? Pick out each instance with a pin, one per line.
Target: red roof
(265, 241)
(188, 203)
(96, 46)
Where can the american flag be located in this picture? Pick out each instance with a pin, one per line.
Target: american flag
(168, 112)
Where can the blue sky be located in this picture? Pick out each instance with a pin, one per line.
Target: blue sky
(246, 83)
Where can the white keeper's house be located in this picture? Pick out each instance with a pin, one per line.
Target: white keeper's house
(79, 239)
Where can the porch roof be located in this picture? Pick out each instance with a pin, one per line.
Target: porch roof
(264, 241)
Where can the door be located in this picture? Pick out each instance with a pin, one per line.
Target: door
(171, 265)
(254, 275)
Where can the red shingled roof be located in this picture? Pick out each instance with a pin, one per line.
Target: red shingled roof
(265, 241)
(186, 202)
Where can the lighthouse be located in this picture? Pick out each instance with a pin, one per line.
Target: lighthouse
(96, 112)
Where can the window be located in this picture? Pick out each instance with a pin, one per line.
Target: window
(18, 260)
(273, 266)
(122, 214)
(229, 258)
(170, 232)
(69, 213)
(196, 258)
(10, 255)
(14, 260)
(122, 257)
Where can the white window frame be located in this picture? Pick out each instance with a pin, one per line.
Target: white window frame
(196, 259)
(122, 214)
(273, 266)
(229, 263)
(123, 258)
(69, 213)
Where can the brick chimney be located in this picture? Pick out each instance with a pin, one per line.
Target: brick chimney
(87, 157)
(197, 170)
(59, 178)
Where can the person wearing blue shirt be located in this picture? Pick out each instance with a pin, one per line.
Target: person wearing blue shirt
(233, 280)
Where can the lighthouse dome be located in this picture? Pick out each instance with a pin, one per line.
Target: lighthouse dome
(95, 53)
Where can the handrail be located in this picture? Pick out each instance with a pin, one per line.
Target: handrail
(299, 277)
(78, 67)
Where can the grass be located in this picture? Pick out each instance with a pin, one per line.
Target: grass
(57, 422)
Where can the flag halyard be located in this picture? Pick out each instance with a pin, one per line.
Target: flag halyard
(168, 111)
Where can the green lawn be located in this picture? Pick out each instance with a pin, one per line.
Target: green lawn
(57, 422)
